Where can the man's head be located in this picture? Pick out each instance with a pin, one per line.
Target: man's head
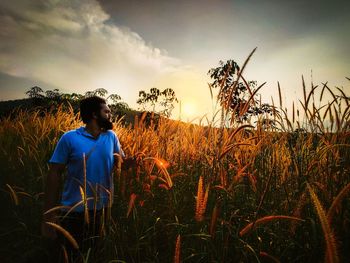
(95, 109)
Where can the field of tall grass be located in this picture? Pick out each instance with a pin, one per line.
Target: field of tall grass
(201, 193)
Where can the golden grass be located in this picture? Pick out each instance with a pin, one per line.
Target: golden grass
(269, 257)
(65, 233)
(265, 220)
(201, 200)
(177, 254)
(131, 203)
(337, 203)
(249, 168)
(331, 247)
(13, 194)
(214, 218)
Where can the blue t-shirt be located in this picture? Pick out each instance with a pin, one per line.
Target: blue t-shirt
(70, 149)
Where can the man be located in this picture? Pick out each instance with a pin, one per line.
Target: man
(88, 153)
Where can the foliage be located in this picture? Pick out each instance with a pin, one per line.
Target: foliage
(156, 99)
(54, 98)
(35, 92)
(235, 96)
(202, 183)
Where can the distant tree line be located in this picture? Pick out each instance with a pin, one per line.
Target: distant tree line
(237, 97)
(160, 102)
(51, 99)
(157, 102)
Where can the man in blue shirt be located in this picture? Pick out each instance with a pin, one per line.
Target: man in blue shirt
(88, 154)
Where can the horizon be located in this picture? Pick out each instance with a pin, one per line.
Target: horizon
(130, 46)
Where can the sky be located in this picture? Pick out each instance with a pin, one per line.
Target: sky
(128, 46)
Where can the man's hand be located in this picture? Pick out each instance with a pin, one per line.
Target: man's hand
(52, 189)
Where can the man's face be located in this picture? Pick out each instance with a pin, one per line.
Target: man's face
(104, 118)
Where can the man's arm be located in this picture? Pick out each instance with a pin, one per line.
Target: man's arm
(51, 195)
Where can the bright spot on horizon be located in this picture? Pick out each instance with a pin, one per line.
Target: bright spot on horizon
(188, 110)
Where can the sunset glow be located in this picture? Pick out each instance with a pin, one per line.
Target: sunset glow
(189, 110)
(79, 46)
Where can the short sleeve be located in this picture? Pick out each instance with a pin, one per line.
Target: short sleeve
(62, 150)
(117, 146)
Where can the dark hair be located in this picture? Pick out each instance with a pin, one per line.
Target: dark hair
(90, 105)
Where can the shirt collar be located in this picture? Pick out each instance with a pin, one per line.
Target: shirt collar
(82, 131)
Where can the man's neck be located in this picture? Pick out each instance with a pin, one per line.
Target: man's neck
(94, 130)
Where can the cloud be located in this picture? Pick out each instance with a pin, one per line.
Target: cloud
(71, 45)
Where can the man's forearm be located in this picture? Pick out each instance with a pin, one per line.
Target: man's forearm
(51, 194)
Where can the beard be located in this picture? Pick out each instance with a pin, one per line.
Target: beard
(104, 124)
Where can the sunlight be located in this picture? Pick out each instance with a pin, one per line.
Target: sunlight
(188, 110)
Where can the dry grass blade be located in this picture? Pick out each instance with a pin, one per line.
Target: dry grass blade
(13, 194)
(331, 248)
(143, 117)
(345, 115)
(162, 166)
(65, 254)
(230, 147)
(337, 119)
(304, 91)
(75, 206)
(60, 207)
(331, 92)
(309, 96)
(239, 76)
(84, 200)
(323, 89)
(131, 205)
(177, 253)
(264, 220)
(328, 108)
(211, 92)
(214, 218)
(246, 106)
(236, 131)
(199, 198)
(279, 93)
(66, 234)
(247, 85)
(337, 202)
(344, 96)
(83, 191)
(202, 199)
(269, 257)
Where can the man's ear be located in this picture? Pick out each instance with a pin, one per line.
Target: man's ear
(94, 115)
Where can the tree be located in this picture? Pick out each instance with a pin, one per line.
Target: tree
(100, 92)
(158, 99)
(146, 99)
(115, 98)
(53, 94)
(118, 107)
(168, 100)
(35, 93)
(236, 97)
(97, 92)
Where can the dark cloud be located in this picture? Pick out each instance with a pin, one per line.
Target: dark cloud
(178, 26)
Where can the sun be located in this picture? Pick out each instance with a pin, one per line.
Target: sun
(188, 109)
